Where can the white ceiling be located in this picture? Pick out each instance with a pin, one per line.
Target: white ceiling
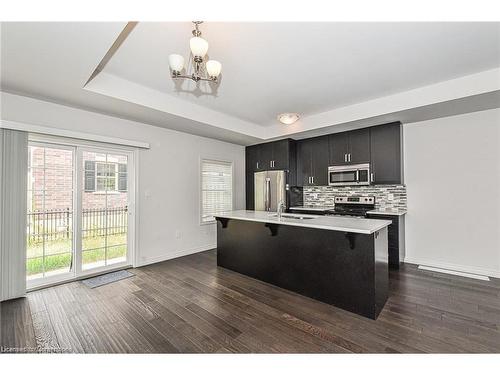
(331, 73)
(270, 68)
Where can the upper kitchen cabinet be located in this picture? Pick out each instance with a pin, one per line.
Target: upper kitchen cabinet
(359, 146)
(385, 146)
(339, 148)
(271, 156)
(312, 162)
(280, 154)
(350, 147)
(252, 159)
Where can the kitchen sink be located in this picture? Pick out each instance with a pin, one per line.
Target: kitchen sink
(285, 216)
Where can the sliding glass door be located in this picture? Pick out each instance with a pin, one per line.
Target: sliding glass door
(79, 210)
(50, 249)
(104, 216)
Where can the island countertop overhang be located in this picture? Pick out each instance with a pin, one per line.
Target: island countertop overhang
(335, 223)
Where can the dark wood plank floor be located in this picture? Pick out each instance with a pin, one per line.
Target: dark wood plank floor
(188, 305)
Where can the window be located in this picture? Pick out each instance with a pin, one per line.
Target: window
(105, 176)
(216, 188)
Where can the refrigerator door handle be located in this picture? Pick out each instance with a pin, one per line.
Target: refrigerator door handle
(267, 203)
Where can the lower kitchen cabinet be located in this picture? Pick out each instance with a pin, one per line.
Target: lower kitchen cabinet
(395, 238)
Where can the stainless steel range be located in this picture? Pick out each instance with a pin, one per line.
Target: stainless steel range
(352, 206)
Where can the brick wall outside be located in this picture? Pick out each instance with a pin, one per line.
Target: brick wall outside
(58, 180)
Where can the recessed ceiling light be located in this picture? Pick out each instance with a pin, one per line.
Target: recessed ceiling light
(288, 118)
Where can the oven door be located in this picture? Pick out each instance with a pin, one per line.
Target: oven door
(343, 177)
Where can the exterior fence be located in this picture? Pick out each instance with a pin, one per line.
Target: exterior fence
(57, 224)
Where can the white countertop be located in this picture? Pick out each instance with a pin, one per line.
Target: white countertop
(388, 211)
(312, 208)
(342, 223)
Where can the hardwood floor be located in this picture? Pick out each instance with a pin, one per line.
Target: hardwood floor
(188, 305)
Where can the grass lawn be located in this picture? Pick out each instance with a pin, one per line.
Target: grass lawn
(58, 253)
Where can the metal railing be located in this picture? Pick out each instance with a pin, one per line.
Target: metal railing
(57, 223)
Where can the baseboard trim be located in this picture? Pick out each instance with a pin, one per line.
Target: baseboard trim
(174, 255)
(456, 273)
(454, 267)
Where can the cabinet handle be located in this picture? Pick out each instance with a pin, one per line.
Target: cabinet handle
(371, 177)
(274, 163)
(345, 158)
(257, 165)
(349, 157)
(312, 178)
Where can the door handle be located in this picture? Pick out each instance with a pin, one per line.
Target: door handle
(257, 165)
(267, 204)
(371, 177)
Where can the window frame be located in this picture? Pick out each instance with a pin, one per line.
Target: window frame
(100, 191)
(200, 186)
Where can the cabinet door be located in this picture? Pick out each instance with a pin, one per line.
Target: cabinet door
(319, 158)
(251, 158)
(386, 153)
(359, 146)
(280, 154)
(338, 145)
(304, 163)
(249, 190)
(265, 156)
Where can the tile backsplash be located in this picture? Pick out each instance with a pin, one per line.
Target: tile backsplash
(386, 196)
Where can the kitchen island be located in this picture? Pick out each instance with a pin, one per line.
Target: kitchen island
(341, 261)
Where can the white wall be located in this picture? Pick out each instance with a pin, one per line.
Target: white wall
(169, 173)
(452, 173)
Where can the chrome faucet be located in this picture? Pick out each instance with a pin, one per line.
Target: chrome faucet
(281, 208)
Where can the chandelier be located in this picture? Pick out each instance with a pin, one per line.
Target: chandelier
(208, 71)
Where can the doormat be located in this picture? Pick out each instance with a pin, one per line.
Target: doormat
(107, 278)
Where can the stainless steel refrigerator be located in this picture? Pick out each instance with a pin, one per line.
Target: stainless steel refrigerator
(270, 190)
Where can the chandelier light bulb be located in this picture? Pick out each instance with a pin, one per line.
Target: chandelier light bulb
(199, 46)
(176, 62)
(213, 68)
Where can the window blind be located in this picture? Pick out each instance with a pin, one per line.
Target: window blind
(216, 188)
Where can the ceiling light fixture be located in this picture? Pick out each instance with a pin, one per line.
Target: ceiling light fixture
(288, 118)
(209, 71)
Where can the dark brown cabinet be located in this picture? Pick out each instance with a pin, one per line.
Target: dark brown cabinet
(395, 238)
(278, 155)
(308, 160)
(351, 147)
(312, 161)
(385, 146)
(270, 156)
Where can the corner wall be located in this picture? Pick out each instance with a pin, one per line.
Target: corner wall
(452, 175)
(169, 173)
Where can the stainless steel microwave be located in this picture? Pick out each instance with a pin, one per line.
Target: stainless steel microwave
(355, 174)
